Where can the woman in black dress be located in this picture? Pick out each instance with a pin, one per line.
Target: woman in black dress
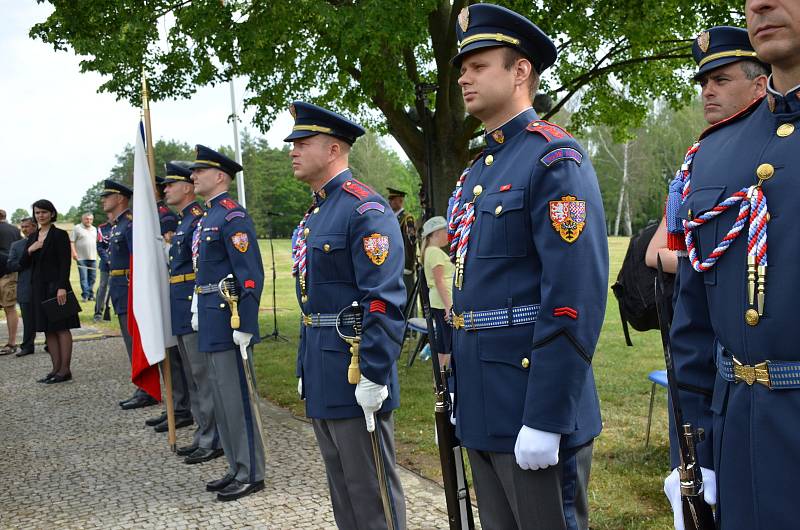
(48, 255)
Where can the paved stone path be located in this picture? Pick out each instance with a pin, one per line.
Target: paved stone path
(71, 458)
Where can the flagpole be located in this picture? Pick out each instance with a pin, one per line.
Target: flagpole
(151, 163)
(240, 194)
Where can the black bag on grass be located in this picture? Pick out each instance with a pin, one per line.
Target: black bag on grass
(635, 286)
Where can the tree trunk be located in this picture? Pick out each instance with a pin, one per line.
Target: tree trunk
(623, 192)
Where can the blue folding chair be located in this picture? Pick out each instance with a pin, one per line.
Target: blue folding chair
(658, 377)
(419, 326)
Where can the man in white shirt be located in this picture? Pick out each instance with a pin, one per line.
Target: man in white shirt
(84, 252)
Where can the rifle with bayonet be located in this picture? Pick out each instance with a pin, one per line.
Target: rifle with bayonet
(697, 514)
(456, 491)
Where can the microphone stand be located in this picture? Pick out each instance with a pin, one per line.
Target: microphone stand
(276, 336)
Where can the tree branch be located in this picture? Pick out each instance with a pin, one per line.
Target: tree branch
(584, 79)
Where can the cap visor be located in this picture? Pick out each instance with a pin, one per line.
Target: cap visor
(296, 135)
(713, 65)
(474, 46)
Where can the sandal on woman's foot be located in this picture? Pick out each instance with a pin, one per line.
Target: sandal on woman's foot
(8, 349)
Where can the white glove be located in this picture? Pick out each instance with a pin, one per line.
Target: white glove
(300, 387)
(241, 339)
(672, 489)
(370, 396)
(453, 409)
(195, 321)
(536, 449)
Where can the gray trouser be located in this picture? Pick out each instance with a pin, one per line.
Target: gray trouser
(126, 336)
(352, 479)
(100, 295)
(181, 393)
(233, 412)
(510, 498)
(195, 368)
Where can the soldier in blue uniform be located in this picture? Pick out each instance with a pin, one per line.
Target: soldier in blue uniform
(730, 77)
(115, 199)
(179, 193)
(224, 242)
(528, 238)
(167, 219)
(733, 333)
(103, 237)
(348, 248)
(181, 395)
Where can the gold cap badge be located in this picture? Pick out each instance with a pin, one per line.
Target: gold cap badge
(463, 19)
(704, 41)
(293, 112)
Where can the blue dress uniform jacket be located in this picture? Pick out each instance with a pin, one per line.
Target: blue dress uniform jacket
(339, 272)
(167, 220)
(752, 437)
(119, 250)
(180, 263)
(537, 374)
(103, 239)
(227, 245)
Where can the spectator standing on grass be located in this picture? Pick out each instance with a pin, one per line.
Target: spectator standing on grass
(84, 252)
(439, 276)
(8, 285)
(15, 253)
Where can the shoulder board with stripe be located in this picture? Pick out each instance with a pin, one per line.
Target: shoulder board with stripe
(228, 204)
(550, 131)
(357, 189)
(736, 117)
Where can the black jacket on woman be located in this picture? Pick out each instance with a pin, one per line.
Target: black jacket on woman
(50, 266)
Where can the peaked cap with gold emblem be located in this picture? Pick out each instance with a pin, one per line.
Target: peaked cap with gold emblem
(719, 46)
(310, 119)
(487, 25)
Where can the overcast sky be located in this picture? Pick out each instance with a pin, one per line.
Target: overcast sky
(60, 136)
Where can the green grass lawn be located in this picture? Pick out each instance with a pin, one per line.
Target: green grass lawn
(625, 488)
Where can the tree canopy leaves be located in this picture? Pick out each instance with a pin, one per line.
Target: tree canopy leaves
(366, 57)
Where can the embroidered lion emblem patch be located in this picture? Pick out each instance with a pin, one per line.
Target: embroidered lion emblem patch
(240, 241)
(568, 217)
(376, 246)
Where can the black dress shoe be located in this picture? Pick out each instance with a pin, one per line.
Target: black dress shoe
(186, 450)
(58, 378)
(23, 353)
(203, 455)
(180, 422)
(46, 378)
(236, 490)
(220, 483)
(152, 422)
(139, 402)
(135, 396)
